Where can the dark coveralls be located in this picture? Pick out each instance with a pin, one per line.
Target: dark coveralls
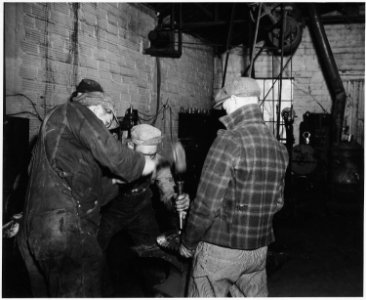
(62, 207)
(132, 210)
(136, 213)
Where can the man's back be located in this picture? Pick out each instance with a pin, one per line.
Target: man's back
(258, 182)
(229, 226)
(241, 184)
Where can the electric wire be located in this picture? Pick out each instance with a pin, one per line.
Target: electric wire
(22, 113)
(167, 108)
(31, 102)
(158, 86)
(171, 122)
(149, 118)
(309, 94)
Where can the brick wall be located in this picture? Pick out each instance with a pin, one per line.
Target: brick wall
(49, 47)
(310, 89)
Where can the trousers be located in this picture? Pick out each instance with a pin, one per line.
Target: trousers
(133, 214)
(220, 272)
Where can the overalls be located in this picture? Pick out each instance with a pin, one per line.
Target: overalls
(57, 241)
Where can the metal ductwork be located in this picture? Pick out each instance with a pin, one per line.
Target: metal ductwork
(330, 71)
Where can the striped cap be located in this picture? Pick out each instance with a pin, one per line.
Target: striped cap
(145, 134)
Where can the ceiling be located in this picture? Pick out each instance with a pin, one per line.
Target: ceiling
(226, 25)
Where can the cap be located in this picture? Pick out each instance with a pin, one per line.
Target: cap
(89, 85)
(145, 134)
(98, 98)
(241, 87)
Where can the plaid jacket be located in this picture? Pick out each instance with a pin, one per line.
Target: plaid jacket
(241, 186)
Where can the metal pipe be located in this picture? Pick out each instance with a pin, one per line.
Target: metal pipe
(194, 25)
(204, 10)
(342, 19)
(246, 73)
(330, 70)
(180, 40)
(284, 13)
(228, 41)
(255, 39)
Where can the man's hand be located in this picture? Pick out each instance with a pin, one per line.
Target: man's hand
(117, 181)
(182, 203)
(185, 252)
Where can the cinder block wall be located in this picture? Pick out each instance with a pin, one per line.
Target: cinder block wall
(310, 89)
(50, 47)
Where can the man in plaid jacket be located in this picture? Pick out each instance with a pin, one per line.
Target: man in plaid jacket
(229, 226)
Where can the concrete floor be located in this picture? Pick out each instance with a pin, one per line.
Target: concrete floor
(315, 255)
(324, 258)
(318, 253)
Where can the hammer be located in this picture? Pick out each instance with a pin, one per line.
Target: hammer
(176, 156)
(173, 155)
(180, 167)
(179, 158)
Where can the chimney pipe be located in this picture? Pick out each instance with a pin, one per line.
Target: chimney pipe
(330, 71)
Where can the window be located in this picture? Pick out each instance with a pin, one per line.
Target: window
(270, 104)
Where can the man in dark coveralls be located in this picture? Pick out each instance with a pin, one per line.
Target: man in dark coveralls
(132, 210)
(66, 190)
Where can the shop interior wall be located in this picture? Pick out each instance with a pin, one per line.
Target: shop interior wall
(310, 91)
(50, 47)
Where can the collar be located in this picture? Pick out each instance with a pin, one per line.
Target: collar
(250, 113)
